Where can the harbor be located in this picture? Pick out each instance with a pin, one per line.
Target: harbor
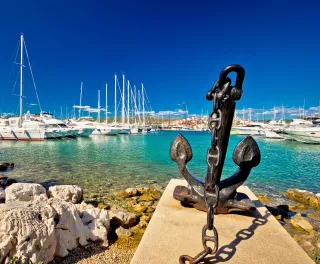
(141, 132)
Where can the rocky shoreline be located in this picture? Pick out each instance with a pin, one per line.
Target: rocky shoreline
(62, 224)
(301, 219)
(56, 225)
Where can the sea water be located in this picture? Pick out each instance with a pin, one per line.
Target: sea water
(106, 164)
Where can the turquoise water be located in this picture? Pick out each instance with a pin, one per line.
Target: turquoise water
(105, 164)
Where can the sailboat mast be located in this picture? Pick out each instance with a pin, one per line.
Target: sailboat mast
(128, 102)
(185, 116)
(115, 98)
(122, 113)
(143, 118)
(106, 103)
(21, 69)
(243, 115)
(139, 106)
(135, 104)
(80, 99)
(99, 106)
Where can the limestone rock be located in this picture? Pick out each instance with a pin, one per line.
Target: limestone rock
(68, 193)
(303, 196)
(25, 192)
(27, 231)
(122, 232)
(70, 229)
(123, 218)
(83, 206)
(98, 222)
(301, 223)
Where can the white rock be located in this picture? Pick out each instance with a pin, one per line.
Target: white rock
(97, 220)
(25, 192)
(123, 218)
(27, 231)
(69, 193)
(40, 229)
(84, 206)
(69, 227)
(122, 232)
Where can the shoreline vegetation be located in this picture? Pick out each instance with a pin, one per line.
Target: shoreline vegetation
(110, 231)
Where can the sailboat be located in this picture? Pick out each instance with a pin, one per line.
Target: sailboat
(22, 127)
(85, 123)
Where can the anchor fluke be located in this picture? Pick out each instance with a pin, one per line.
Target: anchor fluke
(180, 150)
(247, 153)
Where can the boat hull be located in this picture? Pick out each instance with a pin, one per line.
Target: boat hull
(272, 134)
(105, 131)
(311, 136)
(32, 134)
(246, 131)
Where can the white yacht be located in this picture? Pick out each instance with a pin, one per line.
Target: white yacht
(57, 128)
(272, 129)
(10, 129)
(304, 134)
(98, 128)
(302, 130)
(252, 128)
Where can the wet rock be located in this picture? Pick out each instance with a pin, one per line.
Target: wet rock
(303, 196)
(130, 192)
(144, 220)
(307, 242)
(280, 212)
(297, 207)
(5, 182)
(123, 218)
(94, 195)
(68, 193)
(263, 198)
(301, 222)
(101, 205)
(2, 195)
(122, 232)
(25, 192)
(152, 196)
(27, 231)
(139, 208)
(4, 166)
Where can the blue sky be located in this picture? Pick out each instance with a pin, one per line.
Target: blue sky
(176, 48)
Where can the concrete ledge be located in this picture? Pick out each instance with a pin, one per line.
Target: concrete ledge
(175, 230)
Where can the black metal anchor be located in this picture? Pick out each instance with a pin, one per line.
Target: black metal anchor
(213, 195)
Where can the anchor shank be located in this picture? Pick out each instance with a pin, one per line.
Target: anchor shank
(223, 134)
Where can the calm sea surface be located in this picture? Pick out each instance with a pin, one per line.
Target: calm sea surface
(104, 164)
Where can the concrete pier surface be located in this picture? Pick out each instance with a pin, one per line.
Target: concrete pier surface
(175, 230)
